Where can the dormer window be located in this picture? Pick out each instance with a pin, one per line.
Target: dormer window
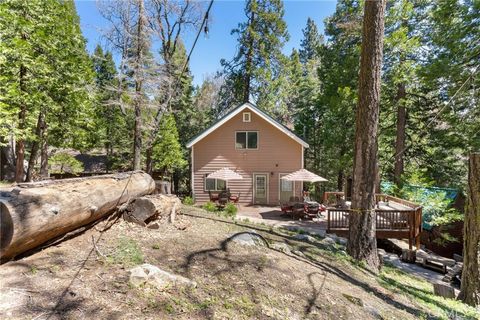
(247, 117)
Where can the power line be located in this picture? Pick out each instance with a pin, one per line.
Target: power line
(179, 79)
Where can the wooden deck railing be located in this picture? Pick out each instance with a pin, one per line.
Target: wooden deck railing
(395, 223)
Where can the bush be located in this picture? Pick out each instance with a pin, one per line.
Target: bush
(210, 206)
(188, 201)
(230, 210)
(63, 162)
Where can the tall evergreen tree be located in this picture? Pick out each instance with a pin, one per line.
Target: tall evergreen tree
(259, 58)
(312, 42)
(362, 242)
(47, 76)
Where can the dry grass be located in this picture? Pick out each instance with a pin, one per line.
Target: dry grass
(73, 281)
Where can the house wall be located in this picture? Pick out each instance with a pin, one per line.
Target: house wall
(276, 153)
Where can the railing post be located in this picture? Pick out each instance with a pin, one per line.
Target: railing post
(328, 220)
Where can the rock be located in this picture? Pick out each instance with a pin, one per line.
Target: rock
(342, 241)
(305, 237)
(328, 241)
(353, 299)
(298, 253)
(373, 311)
(283, 247)
(249, 238)
(153, 225)
(444, 290)
(147, 273)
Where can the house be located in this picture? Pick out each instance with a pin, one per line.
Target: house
(254, 145)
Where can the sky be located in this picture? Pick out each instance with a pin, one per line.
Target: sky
(219, 43)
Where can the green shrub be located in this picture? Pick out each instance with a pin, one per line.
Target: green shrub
(210, 206)
(230, 210)
(63, 162)
(188, 201)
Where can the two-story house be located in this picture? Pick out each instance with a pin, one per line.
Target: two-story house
(254, 145)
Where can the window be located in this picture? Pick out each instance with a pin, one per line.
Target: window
(246, 140)
(246, 117)
(214, 184)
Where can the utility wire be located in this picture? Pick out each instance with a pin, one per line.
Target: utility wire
(179, 79)
(437, 114)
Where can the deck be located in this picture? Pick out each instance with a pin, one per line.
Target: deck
(395, 218)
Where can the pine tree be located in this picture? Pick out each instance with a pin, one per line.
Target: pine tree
(311, 44)
(258, 61)
(47, 73)
(362, 243)
(167, 151)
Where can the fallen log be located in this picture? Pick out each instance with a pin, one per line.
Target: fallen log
(148, 208)
(33, 213)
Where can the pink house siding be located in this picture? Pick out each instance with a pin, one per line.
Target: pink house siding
(276, 153)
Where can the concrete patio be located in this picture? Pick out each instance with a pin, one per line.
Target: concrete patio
(273, 216)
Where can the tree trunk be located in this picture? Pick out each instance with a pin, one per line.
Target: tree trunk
(248, 63)
(137, 143)
(149, 161)
(35, 145)
(362, 238)
(20, 148)
(400, 139)
(7, 159)
(36, 212)
(340, 180)
(148, 208)
(470, 290)
(44, 154)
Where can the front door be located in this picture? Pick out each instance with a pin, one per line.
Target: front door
(286, 189)
(260, 188)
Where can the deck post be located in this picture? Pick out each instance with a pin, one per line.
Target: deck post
(419, 228)
(328, 220)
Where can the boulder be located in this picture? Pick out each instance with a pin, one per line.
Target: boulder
(249, 238)
(149, 274)
(328, 241)
(283, 247)
(305, 237)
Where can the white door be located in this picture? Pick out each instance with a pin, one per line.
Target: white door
(260, 188)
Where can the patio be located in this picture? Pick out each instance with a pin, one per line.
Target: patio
(273, 216)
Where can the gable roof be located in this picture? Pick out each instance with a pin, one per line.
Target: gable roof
(257, 111)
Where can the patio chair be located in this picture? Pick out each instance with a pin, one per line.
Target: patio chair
(213, 197)
(235, 198)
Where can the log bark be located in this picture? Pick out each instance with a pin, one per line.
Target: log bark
(148, 208)
(34, 213)
(362, 234)
(470, 290)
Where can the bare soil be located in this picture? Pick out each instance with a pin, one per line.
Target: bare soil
(77, 280)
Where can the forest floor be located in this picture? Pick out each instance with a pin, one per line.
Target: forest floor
(75, 280)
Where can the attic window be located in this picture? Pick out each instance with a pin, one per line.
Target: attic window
(246, 117)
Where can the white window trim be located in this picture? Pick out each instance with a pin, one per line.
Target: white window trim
(216, 187)
(249, 116)
(246, 139)
(280, 185)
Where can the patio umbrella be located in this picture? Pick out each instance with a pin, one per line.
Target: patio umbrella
(225, 174)
(303, 175)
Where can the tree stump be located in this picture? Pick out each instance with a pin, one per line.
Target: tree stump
(145, 209)
(444, 290)
(409, 256)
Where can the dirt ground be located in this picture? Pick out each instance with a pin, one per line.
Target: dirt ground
(77, 280)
